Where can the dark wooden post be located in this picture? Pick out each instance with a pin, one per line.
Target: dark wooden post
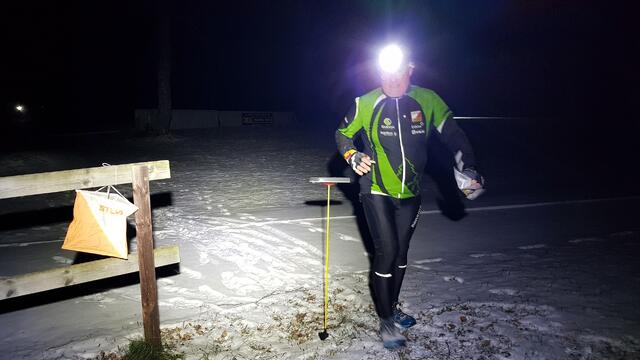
(144, 236)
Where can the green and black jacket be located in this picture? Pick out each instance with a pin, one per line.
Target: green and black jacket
(395, 134)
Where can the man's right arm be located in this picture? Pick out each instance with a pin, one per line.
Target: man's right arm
(348, 128)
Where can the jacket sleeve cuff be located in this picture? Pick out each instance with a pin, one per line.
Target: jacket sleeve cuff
(348, 154)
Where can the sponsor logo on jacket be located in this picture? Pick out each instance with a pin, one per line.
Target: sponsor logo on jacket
(387, 125)
(416, 116)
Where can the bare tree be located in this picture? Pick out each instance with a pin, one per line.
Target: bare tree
(163, 39)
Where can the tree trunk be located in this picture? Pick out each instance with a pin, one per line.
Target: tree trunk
(163, 33)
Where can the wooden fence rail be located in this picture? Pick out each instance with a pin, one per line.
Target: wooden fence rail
(145, 261)
(56, 181)
(40, 281)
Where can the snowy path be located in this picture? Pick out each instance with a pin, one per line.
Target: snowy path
(554, 281)
(542, 299)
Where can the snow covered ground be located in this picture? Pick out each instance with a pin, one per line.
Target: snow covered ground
(522, 276)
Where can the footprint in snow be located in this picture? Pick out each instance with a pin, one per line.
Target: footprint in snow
(534, 246)
(204, 259)
(346, 237)
(485, 254)
(421, 267)
(181, 303)
(425, 261)
(191, 273)
(165, 281)
(62, 260)
(510, 292)
(621, 234)
(207, 290)
(96, 298)
(453, 278)
(577, 241)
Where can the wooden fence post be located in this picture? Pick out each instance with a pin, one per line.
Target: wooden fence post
(144, 236)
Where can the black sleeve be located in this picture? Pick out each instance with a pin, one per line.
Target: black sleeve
(458, 143)
(344, 142)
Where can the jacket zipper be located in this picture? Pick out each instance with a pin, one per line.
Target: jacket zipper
(401, 147)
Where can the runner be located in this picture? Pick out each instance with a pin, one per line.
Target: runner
(395, 121)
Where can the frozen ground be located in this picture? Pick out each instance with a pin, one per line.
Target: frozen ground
(522, 276)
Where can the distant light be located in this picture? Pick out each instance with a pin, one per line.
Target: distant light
(20, 108)
(391, 58)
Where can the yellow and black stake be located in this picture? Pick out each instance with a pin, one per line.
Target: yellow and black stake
(328, 182)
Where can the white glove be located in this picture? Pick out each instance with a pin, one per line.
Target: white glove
(469, 182)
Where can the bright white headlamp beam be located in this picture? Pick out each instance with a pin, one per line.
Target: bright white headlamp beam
(19, 108)
(391, 58)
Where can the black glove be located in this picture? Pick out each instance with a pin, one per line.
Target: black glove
(357, 160)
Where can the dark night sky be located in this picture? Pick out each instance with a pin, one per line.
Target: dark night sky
(88, 65)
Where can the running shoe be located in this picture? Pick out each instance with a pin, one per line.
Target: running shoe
(401, 319)
(391, 337)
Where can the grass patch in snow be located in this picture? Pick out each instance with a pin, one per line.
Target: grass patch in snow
(138, 349)
(172, 339)
(141, 350)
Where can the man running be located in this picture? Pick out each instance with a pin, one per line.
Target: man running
(395, 121)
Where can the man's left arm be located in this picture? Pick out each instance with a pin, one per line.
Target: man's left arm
(470, 182)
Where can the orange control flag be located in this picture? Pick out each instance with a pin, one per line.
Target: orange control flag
(99, 224)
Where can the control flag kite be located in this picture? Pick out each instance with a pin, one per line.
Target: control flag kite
(99, 223)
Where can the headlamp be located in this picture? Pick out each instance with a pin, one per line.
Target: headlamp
(391, 59)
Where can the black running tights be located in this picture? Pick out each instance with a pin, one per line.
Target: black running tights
(391, 223)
